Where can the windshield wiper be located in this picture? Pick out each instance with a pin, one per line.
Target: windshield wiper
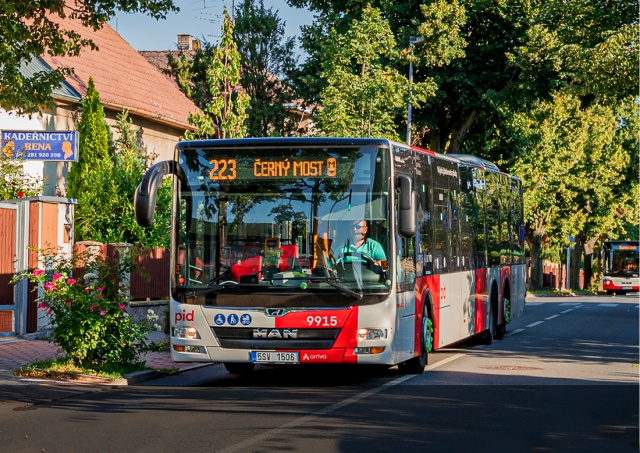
(333, 281)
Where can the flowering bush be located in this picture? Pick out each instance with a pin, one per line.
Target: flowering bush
(88, 314)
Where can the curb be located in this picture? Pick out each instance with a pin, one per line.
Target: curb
(148, 375)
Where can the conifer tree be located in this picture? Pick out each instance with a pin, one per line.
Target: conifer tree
(93, 143)
(228, 105)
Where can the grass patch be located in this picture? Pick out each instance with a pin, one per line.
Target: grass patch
(63, 368)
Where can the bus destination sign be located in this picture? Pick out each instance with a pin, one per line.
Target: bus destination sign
(40, 145)
(249, 168)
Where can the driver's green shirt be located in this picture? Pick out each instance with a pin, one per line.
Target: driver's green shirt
(369, 247)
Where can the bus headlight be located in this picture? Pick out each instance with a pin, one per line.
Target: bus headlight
(371, 334)
(189, 333)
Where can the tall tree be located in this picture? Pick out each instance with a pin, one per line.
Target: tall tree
(575, 165)
(28, 29)
(227, 108)
(364, 93)
(93, 145)
(267, 66)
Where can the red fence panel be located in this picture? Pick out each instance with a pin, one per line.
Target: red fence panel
(154, 264)
(149, 282)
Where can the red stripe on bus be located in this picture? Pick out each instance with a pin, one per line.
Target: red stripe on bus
(481, 298)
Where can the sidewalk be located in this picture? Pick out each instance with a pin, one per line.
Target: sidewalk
(16, 353)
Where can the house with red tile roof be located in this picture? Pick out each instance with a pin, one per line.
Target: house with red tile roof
(125, 81)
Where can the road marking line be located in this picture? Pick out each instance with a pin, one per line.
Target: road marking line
(329, 409)
(535, 324)
(567, 311)
(571, 304)
(608, 305)
(551, 317)
(514, 332)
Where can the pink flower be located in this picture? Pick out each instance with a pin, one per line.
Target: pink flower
(49, 311)
(20, 194)
(100, 288)
(42, 305)
(68, 303)
(71, 281)
(87, 290)
(37, 272)
(49, 286)
(102, 313)
(121, 307)
(55, 276)
(93, 307)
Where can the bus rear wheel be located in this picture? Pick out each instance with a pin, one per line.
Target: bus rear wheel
(239, 367)
(417, 364)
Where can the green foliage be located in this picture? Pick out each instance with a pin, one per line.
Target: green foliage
(267, 64)
(93, 144)
(87, 312)
(14, 183)
(27, 31)
(363, 93)
(104, 185)
(228, 105)
(105, 212)
(578, 170)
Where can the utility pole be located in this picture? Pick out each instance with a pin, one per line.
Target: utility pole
(413, 40)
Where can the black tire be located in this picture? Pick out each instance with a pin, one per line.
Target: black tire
(417, 364)
(239, 367)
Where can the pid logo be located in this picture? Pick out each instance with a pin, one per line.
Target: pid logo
(184, 316)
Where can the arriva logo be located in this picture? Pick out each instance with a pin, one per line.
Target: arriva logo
(314, 357)
(184, 316)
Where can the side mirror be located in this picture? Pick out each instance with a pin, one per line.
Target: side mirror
(407, 207)
(144, 200)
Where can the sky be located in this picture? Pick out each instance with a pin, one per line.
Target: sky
(199, 18)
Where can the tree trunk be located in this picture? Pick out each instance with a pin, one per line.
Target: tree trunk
(535, 246)
(458, 134)
(588, 262)
(576, 255)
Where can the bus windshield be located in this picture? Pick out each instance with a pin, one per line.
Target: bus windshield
(621, 258)
(281, 220)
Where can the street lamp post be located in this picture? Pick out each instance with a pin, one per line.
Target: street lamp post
(413, 40)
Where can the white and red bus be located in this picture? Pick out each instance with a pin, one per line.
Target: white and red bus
(620, 262)
(266, 268)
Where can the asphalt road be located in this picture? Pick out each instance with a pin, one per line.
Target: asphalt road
(565, 378)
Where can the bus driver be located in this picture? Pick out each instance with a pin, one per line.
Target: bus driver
(361, 245)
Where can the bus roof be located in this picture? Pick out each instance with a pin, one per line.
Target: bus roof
(332, 141)
(282, 141)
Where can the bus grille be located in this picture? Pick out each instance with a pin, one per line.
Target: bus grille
(270, 338)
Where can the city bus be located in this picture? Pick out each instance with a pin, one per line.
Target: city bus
(267, 269)
(620, 263)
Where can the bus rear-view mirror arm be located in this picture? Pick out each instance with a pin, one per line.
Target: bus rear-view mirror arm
(408, 203)
(144, 200)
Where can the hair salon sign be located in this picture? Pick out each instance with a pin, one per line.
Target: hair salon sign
(40, 145)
